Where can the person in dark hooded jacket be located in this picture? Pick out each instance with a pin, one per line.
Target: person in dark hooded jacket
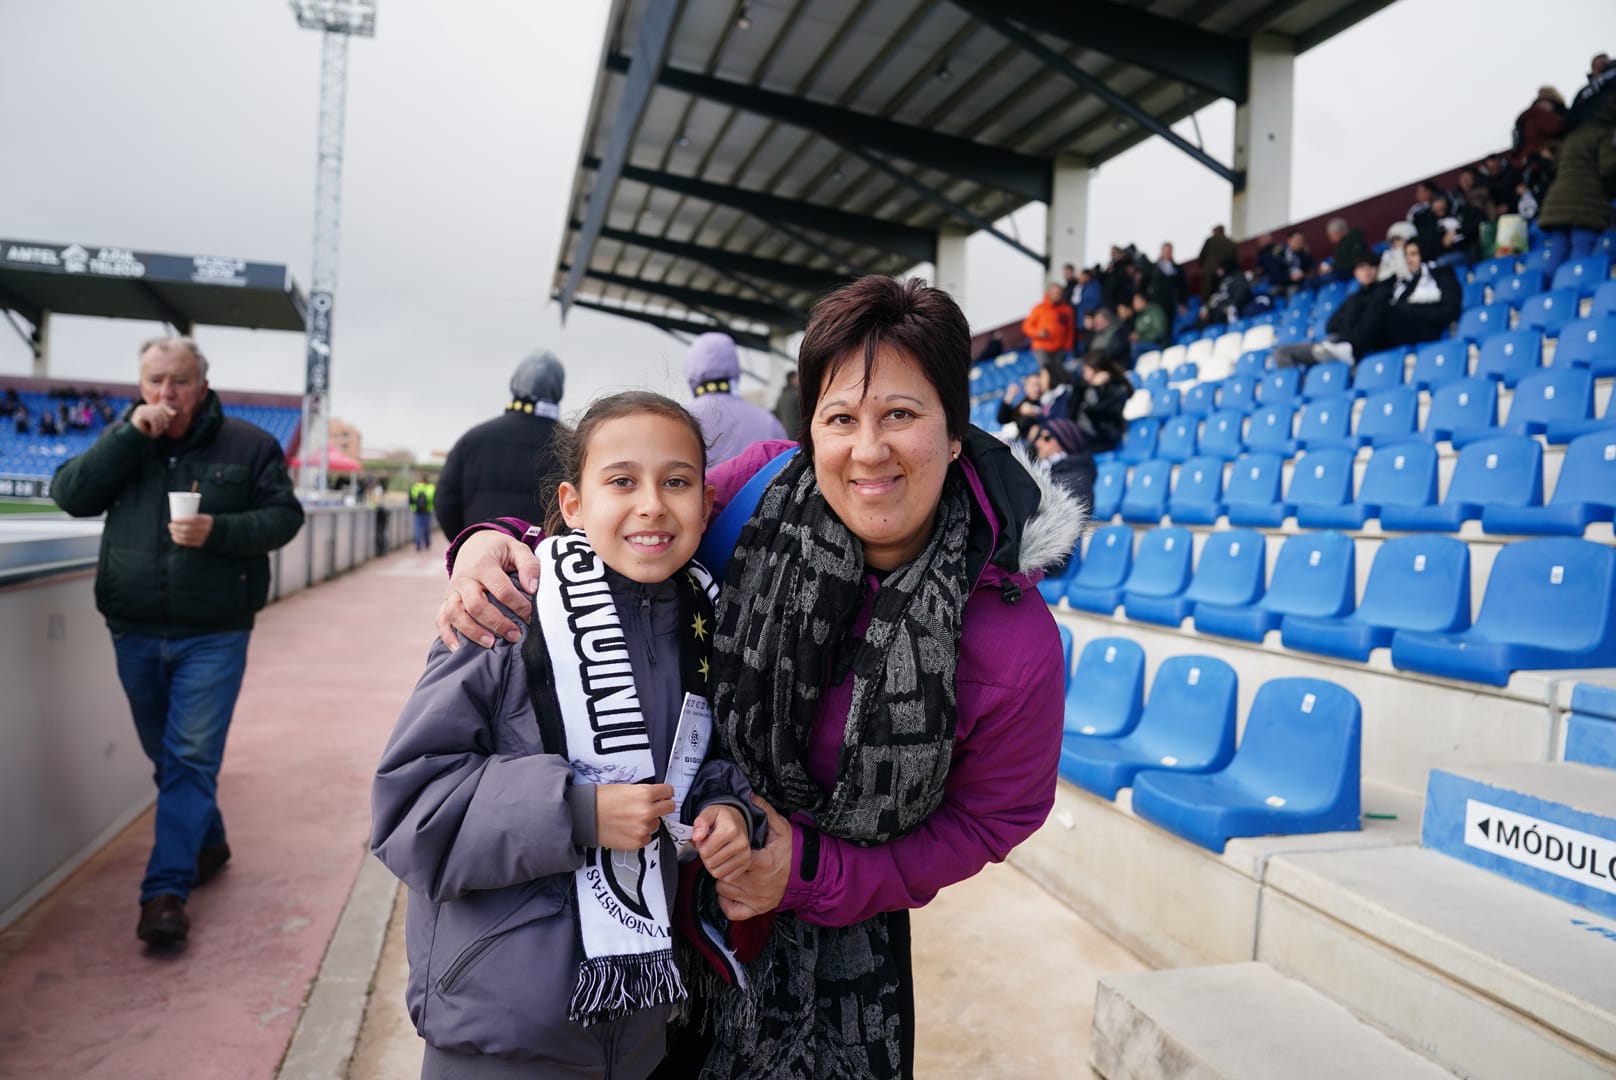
(498, 467)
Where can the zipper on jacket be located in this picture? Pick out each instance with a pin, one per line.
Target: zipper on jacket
(645, 613)
(457, 970)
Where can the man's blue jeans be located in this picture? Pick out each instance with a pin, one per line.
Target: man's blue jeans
(1566, 244)
(423, 531)
(182, 692)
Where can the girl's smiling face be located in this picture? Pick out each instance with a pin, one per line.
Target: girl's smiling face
(641, 498)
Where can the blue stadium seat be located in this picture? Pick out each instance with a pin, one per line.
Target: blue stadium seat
(1506, 470)
(1252, 496)
(1238, 393)
(1549, 312)
(1606, 244)
(1177, 442)
(1321, 478)
(1604, 299)
(1289, 333)
(1230, 572)
(1052, 586)
(1327, 380)
(1197, 498)
(1222, 435)
(1401, 474)
(1149, 488)
(1514, 290)
(1161, 566)
(1199, 399)
(1068, 643)
(1163, 403)
(1481, 322)
(1279, 387)
(1156, 382)
(1188, 371)
(1252, 364)
(1270, 429)
(1589, 343)
(1097, 585)
(1389, 416)
(1297, 770)
(1490, 270)
(1415, 583)
(1555, 394)
(1563, 431)
(1377, 371)
(1187, 726)
(1326, 422)
(1510, 355)
(1439, 363)
(1459, 409)
(1547, 605)
(1585, 275)
(1535, 259)
(1473, 294)
(1314, 575)
(1584, 493)
(1139, 442)
(1110, 481)
(1107, 690)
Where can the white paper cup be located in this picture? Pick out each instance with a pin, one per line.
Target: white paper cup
(184, 504)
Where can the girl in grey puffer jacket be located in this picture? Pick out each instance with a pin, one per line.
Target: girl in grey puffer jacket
(525, 794)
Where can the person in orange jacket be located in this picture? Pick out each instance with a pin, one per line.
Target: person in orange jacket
(1049, 328)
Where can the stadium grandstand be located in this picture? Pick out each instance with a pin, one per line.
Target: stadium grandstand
(1341, 644)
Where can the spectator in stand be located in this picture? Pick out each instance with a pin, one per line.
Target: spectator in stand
(22, 419)
(1090, 295)
(1110, 338)
(1069, 284)
(1049, 328)
(1151, 327)
(1060, 454)
(1576, 206)
(1098, 402)
(1541, 126)
(992, 348)
(1404, 312)
(1230, 294)
(730, 422)
(1023, 405)
(1215, 251)
(788, 406)
(1424, 192)
(1473, 193)
(1121, 279)
(1342, 325)
(1296, 259)
(1450, 234)
(1392, 263)
(1169, 288)
(47, 422)
(1348, 246)
(1500, 176)
(10, 403)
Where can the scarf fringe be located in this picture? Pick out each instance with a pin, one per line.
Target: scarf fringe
(613, 986)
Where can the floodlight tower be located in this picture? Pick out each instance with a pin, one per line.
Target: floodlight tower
(338, 20)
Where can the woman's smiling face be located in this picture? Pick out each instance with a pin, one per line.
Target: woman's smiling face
(881, 454)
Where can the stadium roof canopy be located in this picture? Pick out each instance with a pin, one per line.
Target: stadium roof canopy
(39, 279)
(741, 158)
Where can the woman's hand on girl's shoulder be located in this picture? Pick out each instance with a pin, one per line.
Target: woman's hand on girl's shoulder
(481, 575)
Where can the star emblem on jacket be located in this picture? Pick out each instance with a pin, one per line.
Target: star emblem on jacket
(699, 628)
(702, 668)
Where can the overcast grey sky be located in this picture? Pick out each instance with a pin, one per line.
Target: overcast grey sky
(188, 126)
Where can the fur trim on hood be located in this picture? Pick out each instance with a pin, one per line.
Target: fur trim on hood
(1062, 518)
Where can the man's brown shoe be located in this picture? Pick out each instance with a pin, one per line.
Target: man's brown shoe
(163, 920)
(210, 861)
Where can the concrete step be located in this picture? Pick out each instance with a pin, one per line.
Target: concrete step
(1550, 827)
(1493, 979)
(1591, 725)
(1238, 1022)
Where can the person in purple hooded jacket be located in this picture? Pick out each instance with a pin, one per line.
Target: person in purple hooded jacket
(879, 677)
(730, 422)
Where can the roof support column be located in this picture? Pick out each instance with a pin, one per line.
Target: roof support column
(1066, 227)
(41, 345)
(951, 262)
(1262, 139)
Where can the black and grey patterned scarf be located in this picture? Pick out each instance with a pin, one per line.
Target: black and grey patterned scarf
(822, 1001)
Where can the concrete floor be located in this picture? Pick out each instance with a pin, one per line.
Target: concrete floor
(1004, 978)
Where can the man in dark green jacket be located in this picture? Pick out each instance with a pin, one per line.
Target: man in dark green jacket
(179, 592)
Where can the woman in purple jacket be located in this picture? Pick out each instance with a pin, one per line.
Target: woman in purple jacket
(877, 676)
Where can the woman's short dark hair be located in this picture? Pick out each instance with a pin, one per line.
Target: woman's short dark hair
(570, 444)
(878, 312)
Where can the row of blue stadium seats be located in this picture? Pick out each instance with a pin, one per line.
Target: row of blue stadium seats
(1498, 481)
(1546, 605)
(1296, 770)
(1558, 404)
(34, 456)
